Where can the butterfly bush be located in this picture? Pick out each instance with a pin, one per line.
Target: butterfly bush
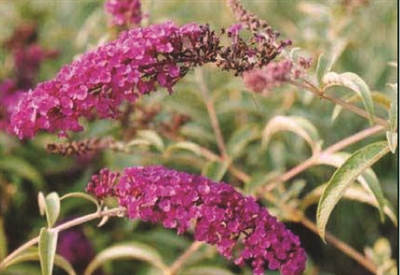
(237, 225)
(124, 12)
(134, 64)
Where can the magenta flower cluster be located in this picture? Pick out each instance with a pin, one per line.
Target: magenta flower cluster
(136, 63)
(239, 227)
(100, 80)
(125, 13)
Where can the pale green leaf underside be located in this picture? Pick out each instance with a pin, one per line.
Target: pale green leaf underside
(130, 250)
(47, 250)
(34, 256)
(297, 125)
(52, 208)
(343, 177)
(354, 83)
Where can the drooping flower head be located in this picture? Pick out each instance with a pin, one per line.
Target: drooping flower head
(238, 226)
(125, 13)
(135, 63)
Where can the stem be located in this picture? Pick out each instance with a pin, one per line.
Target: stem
(178, 264)
(348, 250)
(61, 227)
(353, 139)
(212, 113)
(330, 150)
(312, 88)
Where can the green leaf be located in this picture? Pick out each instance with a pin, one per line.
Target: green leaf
(184, 145)
(132, 250)
(82, 196)
(33, 255)
(356, 193)
(42, 203)
(30, 255)
(3, 240)
(392, 140)
(391, 135)
(47, 250)
(215, 170)
(393, 116)
(367, 179)
(343, 177)
(240, 139)
(64, 264)
(378, 98)
(20, 167)
(372, 184)
(324, 65)
(205, 270)
(52, 207)
(153, 138)
(354, 83)
(297, 125)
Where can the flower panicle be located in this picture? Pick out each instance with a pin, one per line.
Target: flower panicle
(238, 226)
(136, 63)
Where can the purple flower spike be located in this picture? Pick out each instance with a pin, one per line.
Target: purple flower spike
(136, 63)
(97, 82)
(240, 228)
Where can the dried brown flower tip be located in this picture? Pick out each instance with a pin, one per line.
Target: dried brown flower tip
(79, 148)
(252, 22)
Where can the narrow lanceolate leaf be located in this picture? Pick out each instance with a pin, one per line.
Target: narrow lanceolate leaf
(393, 116)
(153, 138)
(42, 203)
(353, 192)
(378, 98)
(323, 66)
(343, 177)
(34, 256)
(82, 196)
(368, 180)
(393, 121)
(370, 183)
(47, 250)
(297, 125)
(184, 145)
(64, 264)
(131, 250)
(392, 140)
(3, 240)
(354, 83)
(52, 208)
